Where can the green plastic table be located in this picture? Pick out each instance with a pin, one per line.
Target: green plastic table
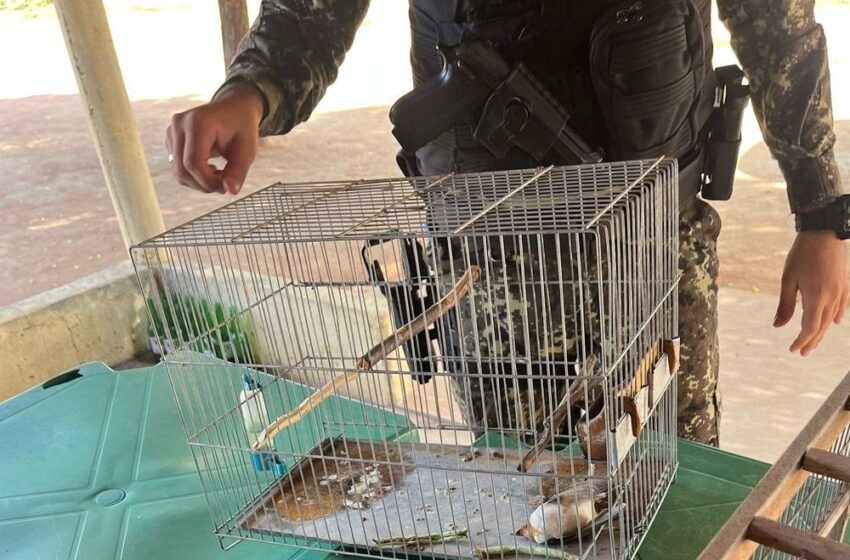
(93, 465)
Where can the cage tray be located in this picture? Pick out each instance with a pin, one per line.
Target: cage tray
(353, 493)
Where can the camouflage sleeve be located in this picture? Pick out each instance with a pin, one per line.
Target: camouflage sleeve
(292, 54)
(783, 52)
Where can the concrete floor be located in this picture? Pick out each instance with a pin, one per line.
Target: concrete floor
(58, 225)
(769, 394)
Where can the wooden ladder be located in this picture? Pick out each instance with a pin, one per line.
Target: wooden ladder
(820, 450)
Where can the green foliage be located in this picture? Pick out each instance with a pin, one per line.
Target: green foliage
(24, 5)
(203, 327)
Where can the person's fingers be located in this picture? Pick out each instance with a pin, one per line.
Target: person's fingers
(240, 156)
(826, 321)
(177, 169)
(842, 306)
(215, 150)
(197, 148)
(812, 314)
(787, 302)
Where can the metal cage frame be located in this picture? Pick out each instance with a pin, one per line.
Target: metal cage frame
(418, 366)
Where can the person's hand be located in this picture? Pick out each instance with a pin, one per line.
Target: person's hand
(816, 267)
(227, 127)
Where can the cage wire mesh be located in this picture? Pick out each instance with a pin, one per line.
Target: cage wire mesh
(456, 366)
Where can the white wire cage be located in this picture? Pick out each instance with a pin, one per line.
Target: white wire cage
(457, 366)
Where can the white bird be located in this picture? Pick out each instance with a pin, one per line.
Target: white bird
(566, 514)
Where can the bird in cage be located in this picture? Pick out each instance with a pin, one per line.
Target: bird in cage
(569, 502)
(568, 513)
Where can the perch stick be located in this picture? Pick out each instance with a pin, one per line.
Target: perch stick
(556, 418)
(641, 377)
(368, 360)
(539, 551)
(420, 323)
(433, 538)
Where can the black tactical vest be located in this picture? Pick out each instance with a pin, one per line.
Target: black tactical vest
(635, 76)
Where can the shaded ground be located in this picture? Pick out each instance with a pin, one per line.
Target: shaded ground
(58, 222)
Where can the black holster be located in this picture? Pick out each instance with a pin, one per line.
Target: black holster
(724, 133)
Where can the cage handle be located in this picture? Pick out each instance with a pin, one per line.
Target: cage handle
(377, 353)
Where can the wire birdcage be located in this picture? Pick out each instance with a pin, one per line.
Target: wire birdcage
(460, 366)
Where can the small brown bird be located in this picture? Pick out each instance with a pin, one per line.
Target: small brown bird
(568, 513)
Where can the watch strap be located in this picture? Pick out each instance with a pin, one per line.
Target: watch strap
(813, 220)
(834, 217)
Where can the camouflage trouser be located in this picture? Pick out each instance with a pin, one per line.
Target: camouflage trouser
(513, 347)
(699, 401)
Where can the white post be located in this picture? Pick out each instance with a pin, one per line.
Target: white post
(119, 146)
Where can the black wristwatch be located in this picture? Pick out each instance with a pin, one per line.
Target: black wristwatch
(835, 217)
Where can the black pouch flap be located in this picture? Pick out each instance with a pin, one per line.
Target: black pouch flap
(647, 65)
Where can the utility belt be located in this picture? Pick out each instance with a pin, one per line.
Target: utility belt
(650, 100)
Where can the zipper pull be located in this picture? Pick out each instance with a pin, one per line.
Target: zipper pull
(632, 14)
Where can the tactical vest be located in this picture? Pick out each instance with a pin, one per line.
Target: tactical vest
(635, 76)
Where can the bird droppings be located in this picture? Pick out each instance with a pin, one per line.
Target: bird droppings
(471, 456)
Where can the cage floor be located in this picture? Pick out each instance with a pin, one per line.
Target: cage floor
(356, 493)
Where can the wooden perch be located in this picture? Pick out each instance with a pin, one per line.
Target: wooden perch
(795, 542)
(641, 377)
(556, 418)
(833, 465)
(373, 356)
(420, 323)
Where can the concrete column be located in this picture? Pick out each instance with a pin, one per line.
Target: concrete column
(234, 26)
(117, 140)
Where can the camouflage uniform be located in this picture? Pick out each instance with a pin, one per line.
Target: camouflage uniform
(518, 331)
(699, 400)
(295, 47)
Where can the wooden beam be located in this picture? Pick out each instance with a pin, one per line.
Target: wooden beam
(828, 464)
(117, 140)
(234, 26)
(795, 542)
(779, 485)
